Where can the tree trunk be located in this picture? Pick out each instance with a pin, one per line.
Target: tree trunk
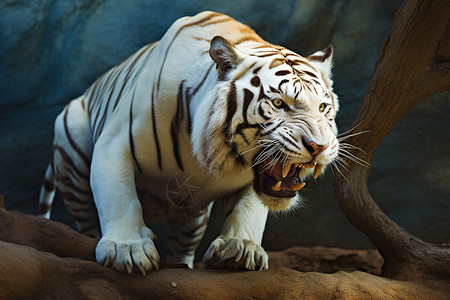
(414, 63)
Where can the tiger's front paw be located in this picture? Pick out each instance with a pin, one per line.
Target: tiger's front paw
(123, 254)
(236, 253)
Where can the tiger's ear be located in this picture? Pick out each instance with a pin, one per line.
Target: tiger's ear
(224, 54)
(323, 61)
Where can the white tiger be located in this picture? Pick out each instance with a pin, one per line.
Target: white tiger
(209, 112)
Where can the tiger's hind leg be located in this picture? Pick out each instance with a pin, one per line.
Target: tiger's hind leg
(183, 237)
(47, 194)
(72, 158)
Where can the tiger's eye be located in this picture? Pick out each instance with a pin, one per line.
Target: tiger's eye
(322, 107)
(278, 102)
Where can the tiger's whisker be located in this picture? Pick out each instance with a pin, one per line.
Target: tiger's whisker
(354, 158)
(337, 169)
(343, 138)
(350, 130)
(350, 146)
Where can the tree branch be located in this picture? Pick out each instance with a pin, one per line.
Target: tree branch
(406, 73)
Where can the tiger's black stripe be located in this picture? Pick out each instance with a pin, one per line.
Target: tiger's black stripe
(69, 183)
(255, 81)
(281, 83)
(189, 246)
(49, 186)
(131, 73)
(209, 17)
(85, 230)
(188, 109)
(203, 80)
(93, 88)
(235, 152)
(69, 161)
(224, 19)
(189, 96)
(204, 145)
(265, 55)
(72, 142)
(98, 128)
(288, 148)
(231, 109)
(282, 73)
(248, 96)
(98, 101)
(247, 38)
(79, 219)
(276, 62)
(291, 141)
(239, 131)
(124, 83)
(155, 133)
(262, 95)
(192, 233)
(86, 208)
(127, 77)
(103, 90)
(273, 129)
(175, 126)
(310, 74)
(273, 90)
(261, 113)
(44, 208)
(103, 119)
(72, 198)
(288, 151)
(130, 135)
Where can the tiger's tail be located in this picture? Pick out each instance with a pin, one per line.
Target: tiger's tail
(47, 194)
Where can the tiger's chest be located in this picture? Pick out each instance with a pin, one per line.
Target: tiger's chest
(183, 194)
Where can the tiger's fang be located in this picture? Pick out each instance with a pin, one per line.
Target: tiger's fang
(276, 187)
(317, 170)
(286, 169)
(298, 186)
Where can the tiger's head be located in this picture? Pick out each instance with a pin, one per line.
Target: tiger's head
(274, 111)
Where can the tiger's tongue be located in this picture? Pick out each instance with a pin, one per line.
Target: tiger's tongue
(276, 172)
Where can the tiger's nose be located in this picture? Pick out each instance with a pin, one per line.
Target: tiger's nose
(313, 148)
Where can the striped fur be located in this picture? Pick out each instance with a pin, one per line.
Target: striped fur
(213, 103)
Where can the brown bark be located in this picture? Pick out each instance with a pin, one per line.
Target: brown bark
(414, 63)
(327, 260)
(31, 274)
(31, 231)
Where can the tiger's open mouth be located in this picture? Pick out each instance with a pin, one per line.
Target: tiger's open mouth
(279, 179)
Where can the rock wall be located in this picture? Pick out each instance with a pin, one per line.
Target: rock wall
(51, 51)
